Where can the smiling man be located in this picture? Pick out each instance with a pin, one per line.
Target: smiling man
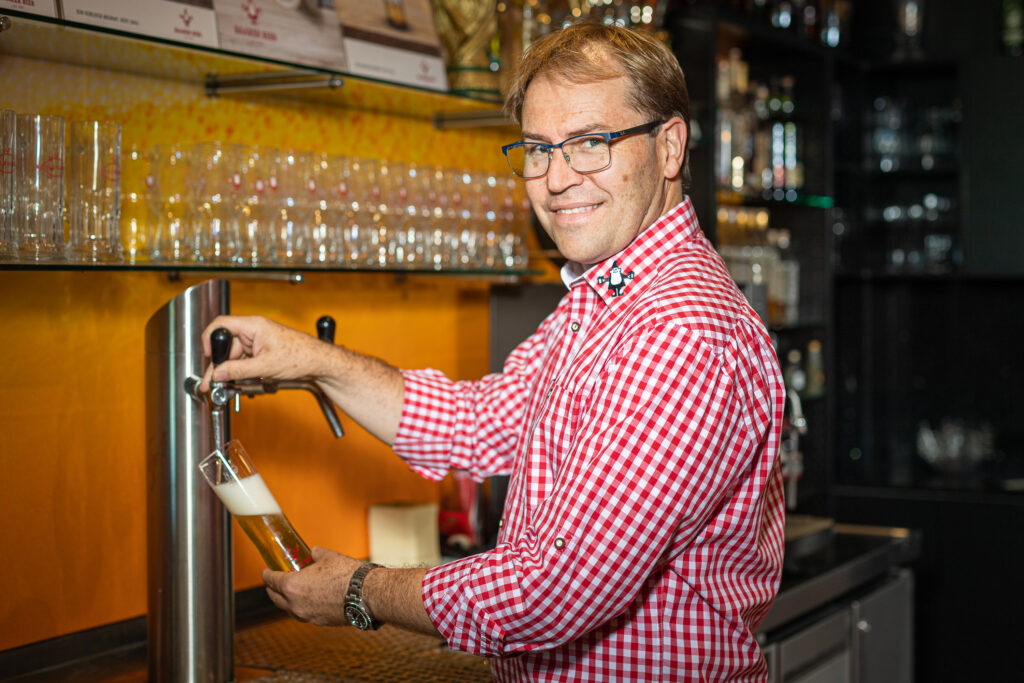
(642, 533)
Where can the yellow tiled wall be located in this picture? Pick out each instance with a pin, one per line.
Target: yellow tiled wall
(72, 401)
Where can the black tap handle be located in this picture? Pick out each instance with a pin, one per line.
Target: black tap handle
(325, 329)
(220, 345)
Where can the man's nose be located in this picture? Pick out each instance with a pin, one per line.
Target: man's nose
(560, 174)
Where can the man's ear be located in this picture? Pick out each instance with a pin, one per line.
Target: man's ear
(673, 146)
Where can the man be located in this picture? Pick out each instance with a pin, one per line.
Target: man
(642, 531)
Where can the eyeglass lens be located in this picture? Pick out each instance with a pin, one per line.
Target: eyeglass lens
(585, 155)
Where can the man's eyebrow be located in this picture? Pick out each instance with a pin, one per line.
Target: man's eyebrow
(583, 130)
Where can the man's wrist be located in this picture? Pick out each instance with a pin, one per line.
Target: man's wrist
(357, 611)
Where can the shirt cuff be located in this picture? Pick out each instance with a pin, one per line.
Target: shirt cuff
(457, 612)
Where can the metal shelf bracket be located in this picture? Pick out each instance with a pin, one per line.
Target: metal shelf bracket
(271, 81)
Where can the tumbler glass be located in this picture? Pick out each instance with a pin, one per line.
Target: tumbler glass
(246, 496)
(94, 181)
(39, 187)
(292, 217)
(169, 204)
(259, 205)
(326, 210)
(136, 219)
(8, 236)
(216, 176)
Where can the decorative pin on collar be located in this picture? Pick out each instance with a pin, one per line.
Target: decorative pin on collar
(616, 279)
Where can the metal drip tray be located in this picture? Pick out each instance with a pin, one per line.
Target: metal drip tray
(296, 652)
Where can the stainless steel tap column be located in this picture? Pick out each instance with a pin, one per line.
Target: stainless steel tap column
(191, 600)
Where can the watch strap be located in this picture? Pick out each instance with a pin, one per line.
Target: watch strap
(355, 589)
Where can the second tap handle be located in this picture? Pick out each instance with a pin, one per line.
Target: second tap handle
(325, 329)
(220, 345)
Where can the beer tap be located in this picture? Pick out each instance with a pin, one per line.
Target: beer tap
(221, 393)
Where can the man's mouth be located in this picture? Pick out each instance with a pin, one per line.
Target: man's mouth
(575, 209)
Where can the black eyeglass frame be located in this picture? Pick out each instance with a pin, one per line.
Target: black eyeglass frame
(608, 138)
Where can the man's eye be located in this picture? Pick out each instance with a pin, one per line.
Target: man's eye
(535, 150)
(591, 143)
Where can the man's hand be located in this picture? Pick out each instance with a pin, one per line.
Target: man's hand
(264, 349)
(317, 593)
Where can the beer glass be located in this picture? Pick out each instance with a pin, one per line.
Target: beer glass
(39, 187)
(215, 181)
(169, 203)
(243, 492)
(259, 164)
(94, 183)
(8, 236)
(136, 221)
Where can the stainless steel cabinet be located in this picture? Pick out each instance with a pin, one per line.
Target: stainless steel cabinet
(866, 640)
(883, 632)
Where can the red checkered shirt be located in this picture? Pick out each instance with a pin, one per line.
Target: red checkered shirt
(643, 528)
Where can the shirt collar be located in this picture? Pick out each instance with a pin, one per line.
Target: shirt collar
(637, 264)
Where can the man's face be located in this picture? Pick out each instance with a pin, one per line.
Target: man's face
(593, 216)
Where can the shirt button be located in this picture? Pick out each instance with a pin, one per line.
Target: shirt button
(575, 327)
(559, 543)
(501, 523)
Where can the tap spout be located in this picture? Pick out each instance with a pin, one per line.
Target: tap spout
(258, 387)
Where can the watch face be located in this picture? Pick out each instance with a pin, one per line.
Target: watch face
(357, 617)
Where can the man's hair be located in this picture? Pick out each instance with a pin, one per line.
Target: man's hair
(587, 52)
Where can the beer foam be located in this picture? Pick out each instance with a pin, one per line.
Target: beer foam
(247, 497)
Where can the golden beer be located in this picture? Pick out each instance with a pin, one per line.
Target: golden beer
(244, 493)
(279, 544)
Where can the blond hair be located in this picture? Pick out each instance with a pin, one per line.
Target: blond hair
(587, 52)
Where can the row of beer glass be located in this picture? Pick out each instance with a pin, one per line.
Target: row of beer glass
(252, 205)
(32, 187)
(228, 204)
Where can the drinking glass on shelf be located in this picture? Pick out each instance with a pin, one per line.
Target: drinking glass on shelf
(378, 181)
(466, 233)
(136, 219)
(8, 236)
(439, 253)
(416, 215)
(169, 204)
(94, 181)
(259, 165)
(39, 187)
(359, 227)
(216, 175)
(291, 210)
(246, 496)
(325, 208)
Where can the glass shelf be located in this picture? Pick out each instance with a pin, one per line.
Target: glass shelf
(770, 198)
(296, 271)
(57, 40)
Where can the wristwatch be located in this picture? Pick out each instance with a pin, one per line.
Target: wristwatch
(355, 609)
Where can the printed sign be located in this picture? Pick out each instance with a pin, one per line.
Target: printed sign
(184, 21)
(298, 31)
(47, 8)
(393, 40)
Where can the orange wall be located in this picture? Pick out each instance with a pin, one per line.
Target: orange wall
(72, 428)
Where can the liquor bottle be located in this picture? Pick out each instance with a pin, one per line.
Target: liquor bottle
(1012, 32)
(793, 374)
(815, 370)
(831, 28)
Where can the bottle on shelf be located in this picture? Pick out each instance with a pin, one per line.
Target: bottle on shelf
(793, 374)
(1012, 29)
(814, 370)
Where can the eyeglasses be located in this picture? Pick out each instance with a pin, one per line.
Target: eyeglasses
(587, 153)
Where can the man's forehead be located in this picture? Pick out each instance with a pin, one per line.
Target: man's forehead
(577, 104)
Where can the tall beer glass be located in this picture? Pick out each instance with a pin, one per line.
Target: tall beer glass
(243, 492)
